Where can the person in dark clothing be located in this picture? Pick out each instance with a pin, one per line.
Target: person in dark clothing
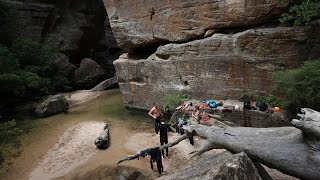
(156, 157)
(164, 128)
(145, 152)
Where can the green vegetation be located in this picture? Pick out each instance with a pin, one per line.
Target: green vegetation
(171, 101)
(271, 100)
(8, 139)
(27, 71)
(299, 87)
(302, 12)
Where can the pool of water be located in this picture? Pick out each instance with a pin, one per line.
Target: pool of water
(43, 134)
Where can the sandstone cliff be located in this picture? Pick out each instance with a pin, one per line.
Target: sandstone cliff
(208, 49)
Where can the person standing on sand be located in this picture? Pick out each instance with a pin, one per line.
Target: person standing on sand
(156, 114)
(163, 128)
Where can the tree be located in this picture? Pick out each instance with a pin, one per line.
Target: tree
(302, 12)
(299, 87)
(27, 71)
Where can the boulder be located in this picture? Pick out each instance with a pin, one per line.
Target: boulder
(142, 23)
(102, 141)
(224, 165)
(89, 73)
(52, 105)
(106, 84)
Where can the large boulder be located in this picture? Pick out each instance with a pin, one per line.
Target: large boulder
(146, 22)
(222, 66)
(89, 73)
(106, 84)
(52, 105)
(222, 166)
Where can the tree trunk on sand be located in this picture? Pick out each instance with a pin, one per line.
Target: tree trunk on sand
(293, 151)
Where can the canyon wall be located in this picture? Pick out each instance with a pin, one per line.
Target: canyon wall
(80, 28)
(208, 49)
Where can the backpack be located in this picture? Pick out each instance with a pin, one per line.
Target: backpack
(246, 105)
(213, 104)
(262, 105)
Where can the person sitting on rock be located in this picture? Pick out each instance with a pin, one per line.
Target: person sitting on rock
(184, 106)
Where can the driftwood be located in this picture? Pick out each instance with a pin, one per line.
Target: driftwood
(102, 141)
(292, 150)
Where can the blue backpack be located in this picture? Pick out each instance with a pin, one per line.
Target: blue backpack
(212, 104)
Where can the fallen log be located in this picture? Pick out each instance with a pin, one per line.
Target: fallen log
(292, 150)
(102, 141)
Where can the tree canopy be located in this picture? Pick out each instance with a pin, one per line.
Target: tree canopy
(27, 70)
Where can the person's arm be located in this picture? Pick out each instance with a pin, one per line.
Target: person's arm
(197, 115)
(151, 113)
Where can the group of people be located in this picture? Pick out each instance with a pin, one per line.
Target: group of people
(162, 128)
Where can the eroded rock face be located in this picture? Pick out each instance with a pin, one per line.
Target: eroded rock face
(222, 166)
(146, 22)
(218, 67)
(80, 28)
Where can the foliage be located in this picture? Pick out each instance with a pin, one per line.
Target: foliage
(9, 133)
(299, 87)
(171, 101)
(271, 100)
(302, 13)
(27, 70)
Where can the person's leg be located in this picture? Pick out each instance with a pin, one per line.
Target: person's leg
(167, 149)
(155, 126)
(191, 140)
(160, 166)
(162, 151)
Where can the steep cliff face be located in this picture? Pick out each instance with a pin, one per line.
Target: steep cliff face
(144, 22)
(208, 49)
(81, 28)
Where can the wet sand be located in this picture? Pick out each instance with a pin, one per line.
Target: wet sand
(55, 141)
(62, 146)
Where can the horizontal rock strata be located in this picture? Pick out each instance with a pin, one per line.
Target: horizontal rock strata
(220, 66)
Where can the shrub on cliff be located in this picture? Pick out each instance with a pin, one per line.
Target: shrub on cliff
(302, 12)
(27, 70)
(300, 87)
